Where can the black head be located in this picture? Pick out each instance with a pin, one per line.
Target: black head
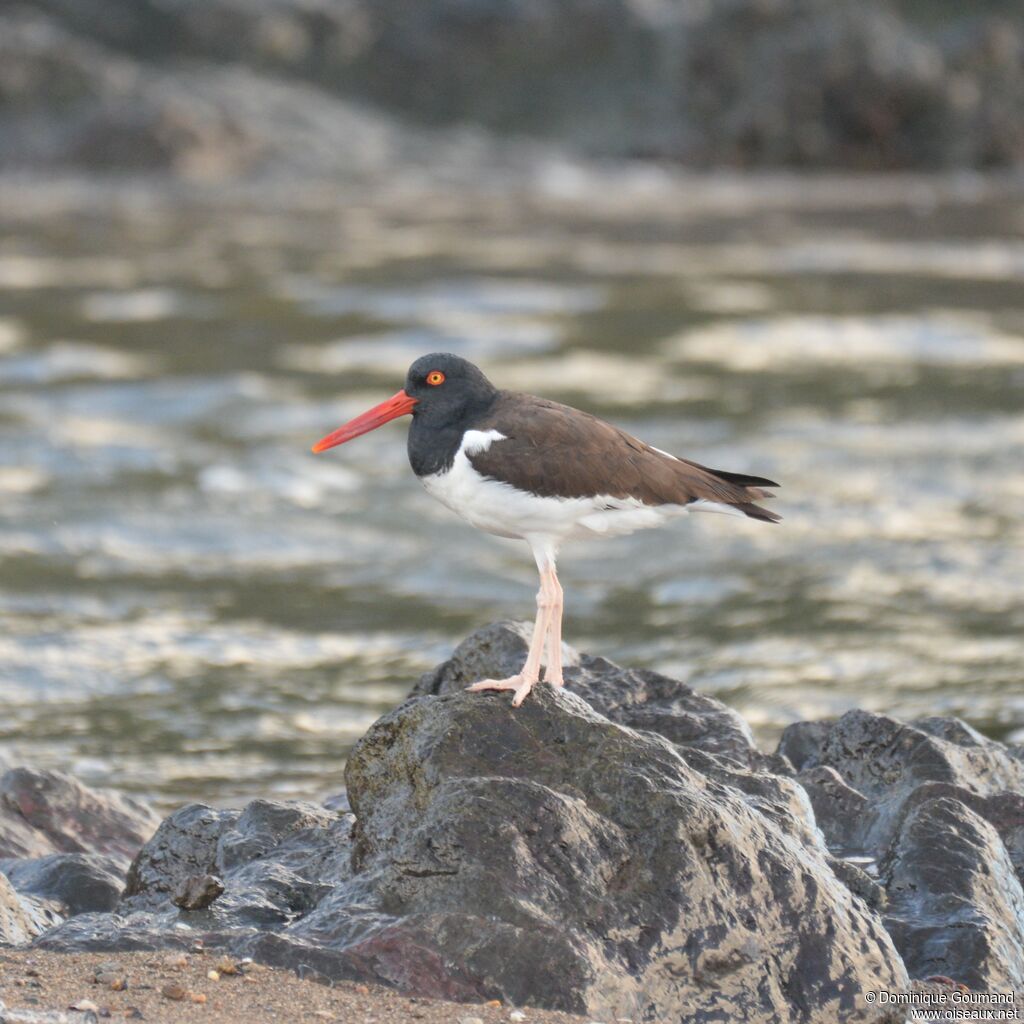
(441, 391)
(446, 389)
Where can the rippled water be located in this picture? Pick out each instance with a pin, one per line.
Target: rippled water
(196, 606)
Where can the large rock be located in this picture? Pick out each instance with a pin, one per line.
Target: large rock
(567, 861)
(545, 856)
(634, 697)
(43, 812)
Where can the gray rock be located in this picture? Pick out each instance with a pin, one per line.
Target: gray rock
(44, 812)
(628, 854)
(940, 810)
(956, 907)
(547, 856)
(634, 697)
(566, 861)
(78, 882)
(861, 770)
(185, 845)
(839, 810)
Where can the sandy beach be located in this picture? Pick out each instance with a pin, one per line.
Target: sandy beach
(166, 988)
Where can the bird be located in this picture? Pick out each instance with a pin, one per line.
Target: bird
(519, 466)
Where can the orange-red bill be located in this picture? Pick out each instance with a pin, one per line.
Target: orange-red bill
(399, 404)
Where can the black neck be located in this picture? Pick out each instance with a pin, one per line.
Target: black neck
(433, 441)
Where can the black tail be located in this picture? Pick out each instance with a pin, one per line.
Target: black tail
(752, 511)
(747, 488)
(742, 480)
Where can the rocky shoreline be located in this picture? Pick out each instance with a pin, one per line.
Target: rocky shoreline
(619, 849)
(216, 88)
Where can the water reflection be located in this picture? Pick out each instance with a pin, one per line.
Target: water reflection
(195, 606)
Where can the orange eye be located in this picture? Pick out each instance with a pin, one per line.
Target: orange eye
(435, 377)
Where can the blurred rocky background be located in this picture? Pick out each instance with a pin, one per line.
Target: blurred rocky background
(213, 88)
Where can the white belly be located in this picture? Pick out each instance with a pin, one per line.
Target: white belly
(499, 508)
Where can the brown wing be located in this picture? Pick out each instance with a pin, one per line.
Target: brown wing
(556, 451)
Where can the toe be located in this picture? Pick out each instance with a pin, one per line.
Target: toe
(522, 693)
(496, 684)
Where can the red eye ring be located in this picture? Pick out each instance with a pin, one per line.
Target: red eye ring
(435, 377)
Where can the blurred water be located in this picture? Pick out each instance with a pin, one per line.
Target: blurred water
(194, 606)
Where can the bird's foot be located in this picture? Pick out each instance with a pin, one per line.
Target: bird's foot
(521, 684)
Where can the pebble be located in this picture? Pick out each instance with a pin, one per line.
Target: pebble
(134, 1013)
(493, 1002)
(517, 1015)
(197, 892)
(176, 960)
(471, 1020)
(84, 1006)
(363, 990)
(112, 979)
(227, 966)
(213, 975)
(197, 997)
(174, 991)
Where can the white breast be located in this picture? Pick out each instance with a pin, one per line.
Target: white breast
(499, 508)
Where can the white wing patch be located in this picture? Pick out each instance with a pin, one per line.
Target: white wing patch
(476, 441)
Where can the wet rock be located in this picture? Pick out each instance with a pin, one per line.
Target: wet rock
(78, 882)
(634, 697)
(839, 810)
(617, 848)
(275, 861)
(956, 907)
(184, 846)
(197, 892)
(620, 865)
(874, 764)
(940, 808)
(43, 812)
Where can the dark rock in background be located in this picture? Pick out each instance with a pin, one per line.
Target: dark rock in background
(77, 883)
(955, 903)
(940, 808)
(44, 812)
(556, 856)
(865, 771)
(152, 85)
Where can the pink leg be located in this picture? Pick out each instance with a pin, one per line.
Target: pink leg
(547, 624)
(553, 670)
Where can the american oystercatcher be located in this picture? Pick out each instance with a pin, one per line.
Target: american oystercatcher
(520, 466)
